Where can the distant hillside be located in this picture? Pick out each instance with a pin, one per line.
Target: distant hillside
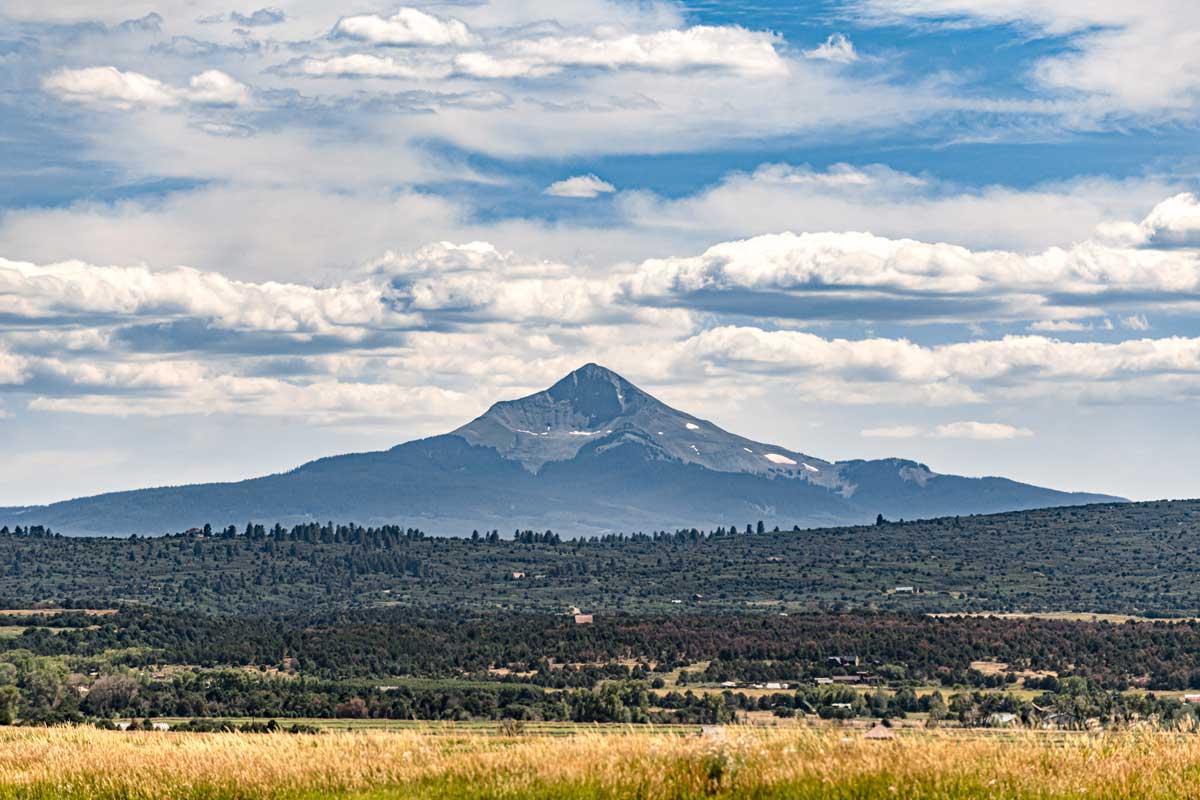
(1129, 558)
(591, 454)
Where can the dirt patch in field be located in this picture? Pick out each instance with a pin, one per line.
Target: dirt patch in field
(54, 612)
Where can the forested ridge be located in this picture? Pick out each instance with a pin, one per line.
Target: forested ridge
(1135, 558)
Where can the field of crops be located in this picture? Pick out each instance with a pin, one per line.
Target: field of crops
(593, 763)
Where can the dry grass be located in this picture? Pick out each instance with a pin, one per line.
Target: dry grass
(743, 763)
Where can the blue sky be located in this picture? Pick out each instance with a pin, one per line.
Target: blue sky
(236, 238)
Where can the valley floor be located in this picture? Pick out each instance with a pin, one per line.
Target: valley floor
(593, 762)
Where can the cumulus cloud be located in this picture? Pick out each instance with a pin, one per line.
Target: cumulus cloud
(580, 186)
(837, 48)
(980, 431)
(73, 290)
(1175, 222)
(109, 86)
(408, 26)
(927, 279)
(1013, 366)
(437, 284)
(479, 280)
(215, 88)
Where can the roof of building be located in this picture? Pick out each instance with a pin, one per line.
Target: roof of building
(880, 732)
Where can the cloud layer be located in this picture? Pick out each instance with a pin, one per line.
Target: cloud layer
(183, 338)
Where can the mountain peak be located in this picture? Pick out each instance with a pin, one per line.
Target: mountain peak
(592, 452)
(594, 406)
(552, 425)
(596, 393)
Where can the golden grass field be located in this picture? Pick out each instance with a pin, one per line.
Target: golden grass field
(649, 765)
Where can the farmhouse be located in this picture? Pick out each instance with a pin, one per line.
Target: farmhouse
(583, 619)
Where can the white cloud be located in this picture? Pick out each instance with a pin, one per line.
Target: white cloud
(886, 202)
(980, 431)
(728, 48)
(408, 26)
(1124, 58)
(724, 47)
(837, 48)
(872, 269)
(75, 289)
(12, 369)
(216, 88)
(366, 65)
(1173, 222)
(470, 282)
(580, 186)
(96, 348)
(1135, 322)
(893, 432)
(1060, 326)
(110, 86)
(1028, 359)
(265, 233)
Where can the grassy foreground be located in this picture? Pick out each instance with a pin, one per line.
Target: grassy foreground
(796, 763)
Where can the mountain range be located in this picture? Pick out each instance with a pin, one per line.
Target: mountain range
(593, 453)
